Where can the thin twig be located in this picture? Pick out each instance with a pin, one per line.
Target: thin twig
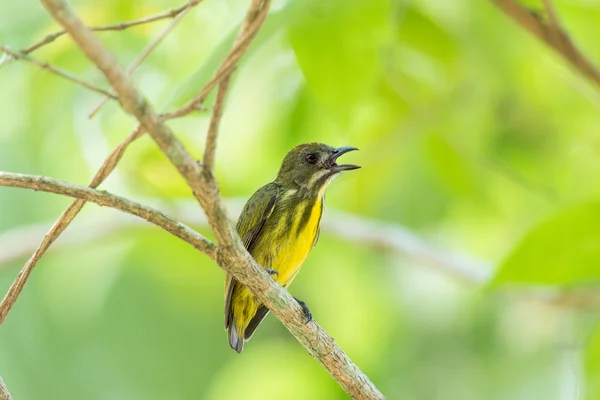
(208, 161)
(4, 393)
(245, 37)
(551, 33)
(103, 198)
(231, 254)
(552, 16)
(149, 49)
(71, 212)
(56, 71)
(119, 26)
(61, 224)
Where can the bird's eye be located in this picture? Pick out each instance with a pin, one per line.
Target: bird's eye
(311, 158)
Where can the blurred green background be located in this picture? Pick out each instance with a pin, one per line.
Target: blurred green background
(473, 135)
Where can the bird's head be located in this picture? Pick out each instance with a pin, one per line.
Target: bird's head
(313, 165)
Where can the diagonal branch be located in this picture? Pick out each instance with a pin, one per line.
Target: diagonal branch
(63, 74)
(119, 26)
(247, 33)
(4, 393)
(149, 49)
(103, 198)
(210, 148)
(552, 17)
(552, 34)
(107, 167)
(231, 255)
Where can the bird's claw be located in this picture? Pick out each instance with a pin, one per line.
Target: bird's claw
(273, 272)
(305, 310)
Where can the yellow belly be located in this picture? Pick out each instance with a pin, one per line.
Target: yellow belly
(284, 256)
(292, 253)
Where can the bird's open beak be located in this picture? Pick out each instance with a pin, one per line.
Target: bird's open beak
(337, 153)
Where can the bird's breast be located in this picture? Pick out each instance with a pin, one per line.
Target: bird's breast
(301, 232)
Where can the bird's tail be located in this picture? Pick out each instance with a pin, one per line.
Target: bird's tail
(235, 341)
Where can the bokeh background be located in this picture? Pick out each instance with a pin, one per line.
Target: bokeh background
(473, 135)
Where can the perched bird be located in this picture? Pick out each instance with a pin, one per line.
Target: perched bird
(279, 226)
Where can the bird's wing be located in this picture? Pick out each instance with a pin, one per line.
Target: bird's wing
(255, 214)
(252, 219)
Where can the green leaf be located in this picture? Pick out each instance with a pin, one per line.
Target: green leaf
(336, 44)
(565, 249)
(451, 167)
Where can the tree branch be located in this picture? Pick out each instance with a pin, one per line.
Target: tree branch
(243, 40)
(231, 255)
(107, 167)
(63, 74)
(20, 242)
(552, 17)
(208, 162)
(103, 198)
(117, 27)
(4, 393)
(551, 33)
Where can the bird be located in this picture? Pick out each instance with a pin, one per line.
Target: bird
(279, 226)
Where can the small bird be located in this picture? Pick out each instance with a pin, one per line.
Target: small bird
(279, 226)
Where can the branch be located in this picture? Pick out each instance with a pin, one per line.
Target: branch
(138, 61)
(231, 254)
(103, 198)
(117, 27)
(243, 40)
(107, 167)
(4, 393)
(20, 242)
(551, 33)
(213, 128)
(56, 71)
(552, 17)
(61, 224)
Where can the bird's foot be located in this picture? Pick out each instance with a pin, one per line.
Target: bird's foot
(273, 272)
(305, 310)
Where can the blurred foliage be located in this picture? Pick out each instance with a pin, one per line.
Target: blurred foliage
(573, 238)
(472, 133)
